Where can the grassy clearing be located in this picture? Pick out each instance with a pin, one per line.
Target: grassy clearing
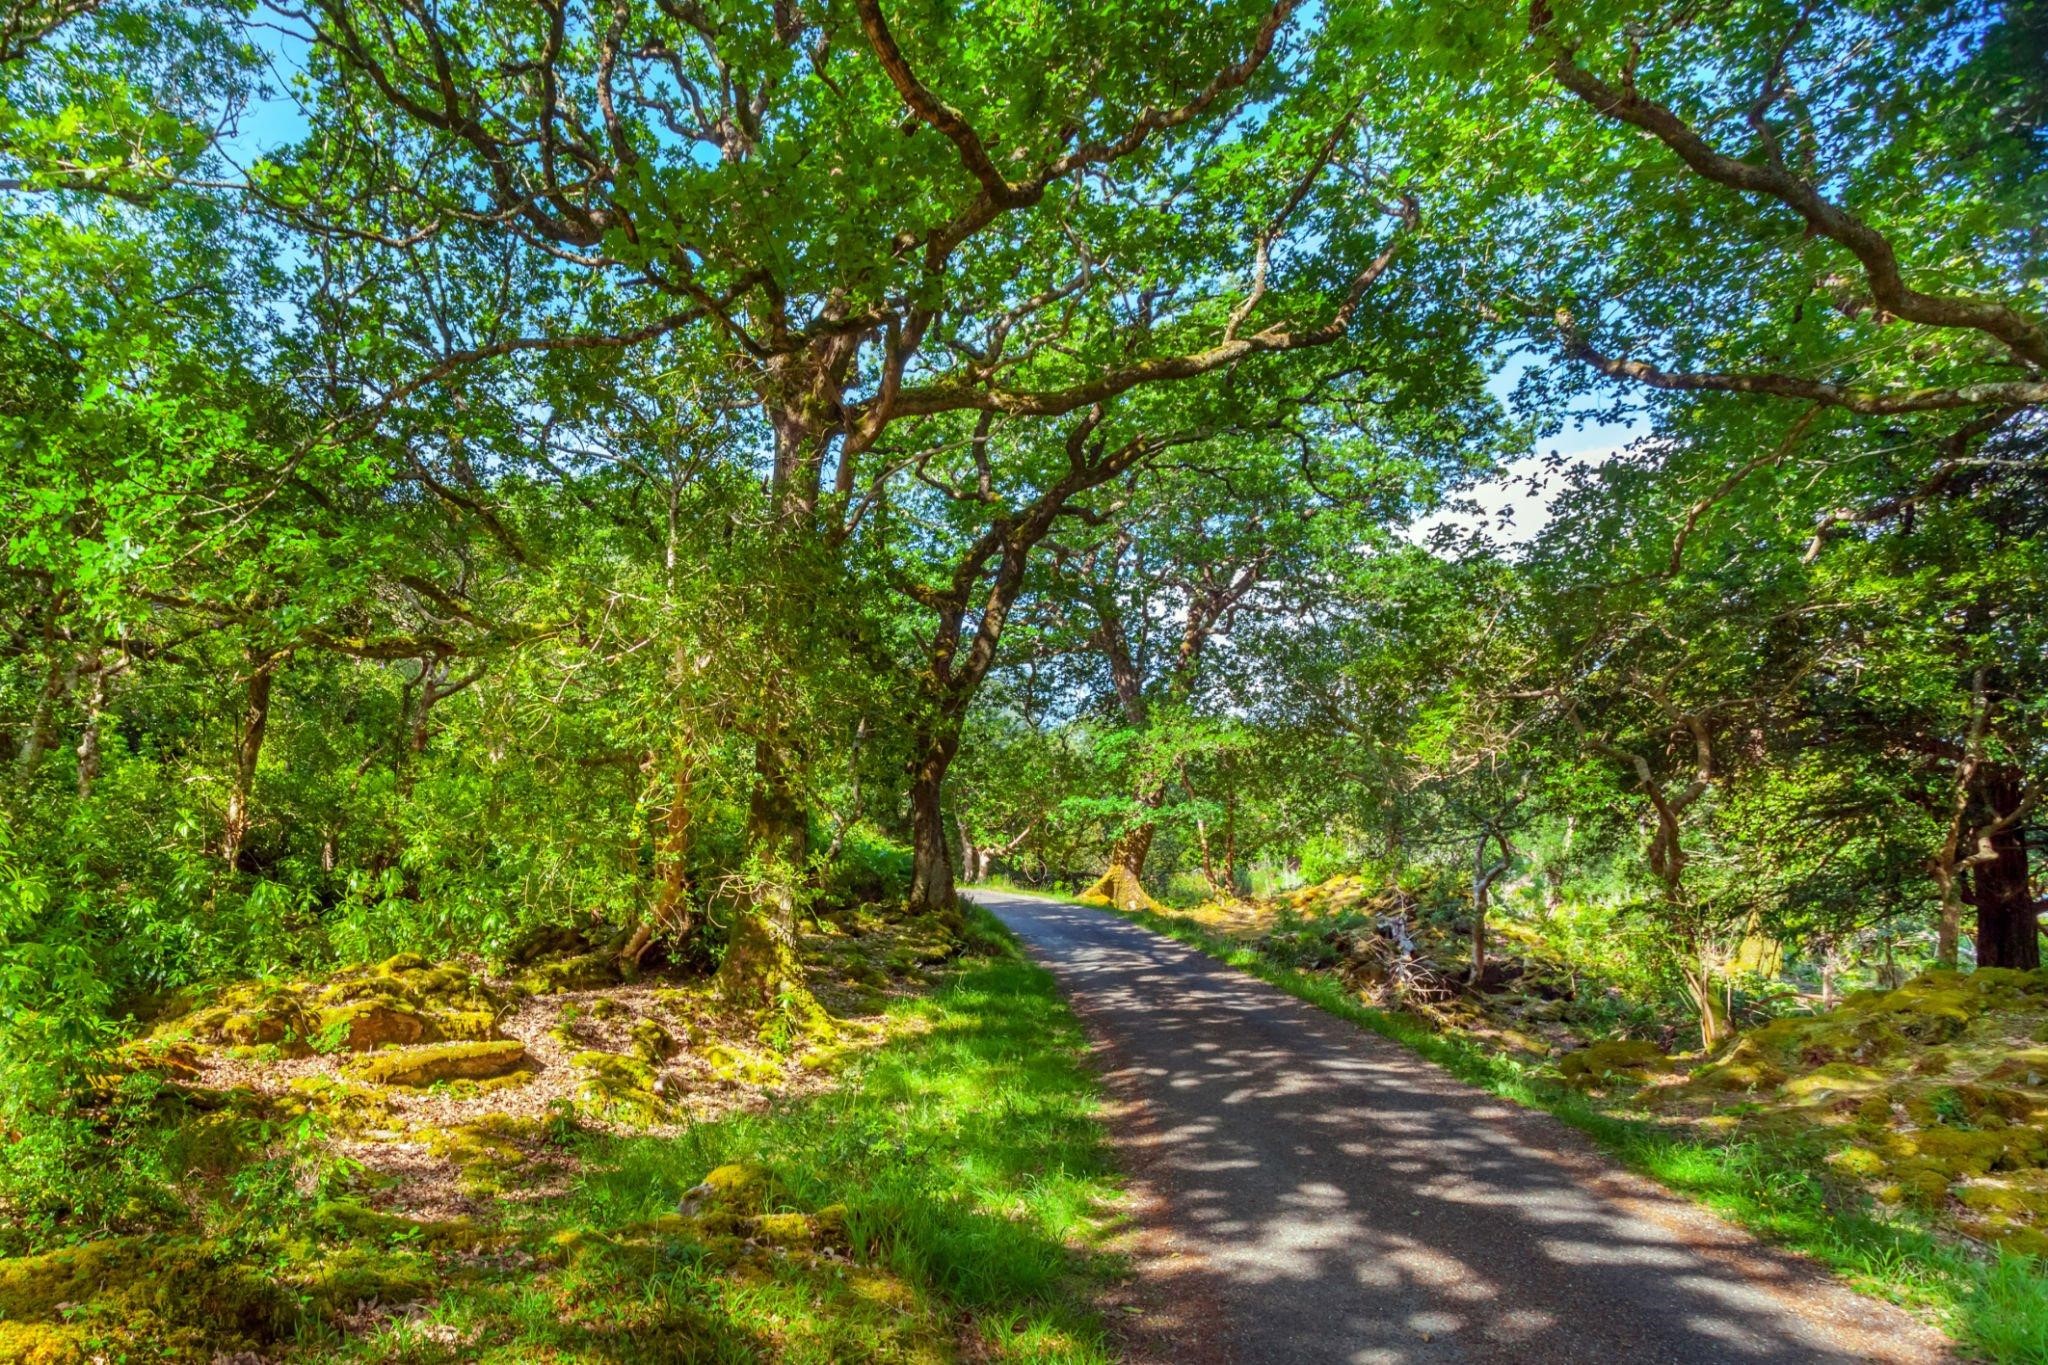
(945, 1198)
(1995, 1305)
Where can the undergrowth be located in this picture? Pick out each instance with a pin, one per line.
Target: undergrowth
(1996, 1305)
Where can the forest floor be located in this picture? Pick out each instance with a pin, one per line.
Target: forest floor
(424, 1162)
(1900, 1138)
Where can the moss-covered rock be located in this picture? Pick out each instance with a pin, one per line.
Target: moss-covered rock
(343, 1279)
(350, 1220)
(1623, 1057)
(2003, 1197)
(1834, 1082)
(1860, 1162)
(591, 971)
(44, 1343)
(171, 1059)
(1952, 1151)
(418, 1066)
(739, 1187)
(373, 1023)
(1740, 1071)
(619, 1086)
(153, 1290)
(347, 1108)
(740, 1068)
(787, 1230)
(651, 1042)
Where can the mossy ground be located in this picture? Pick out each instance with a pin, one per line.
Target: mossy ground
(1902, 1138)
(929, 1185)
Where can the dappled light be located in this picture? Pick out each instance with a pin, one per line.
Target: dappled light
(1356, 1204)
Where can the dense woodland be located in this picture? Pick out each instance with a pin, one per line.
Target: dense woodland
(672, 467)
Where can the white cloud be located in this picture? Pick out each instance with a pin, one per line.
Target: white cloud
(1511, 508)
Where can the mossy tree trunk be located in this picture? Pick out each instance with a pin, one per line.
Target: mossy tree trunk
(1709, 999)
(671, 919)
(1122, 882)
(932, 891)
(762, 971)
(89, 759)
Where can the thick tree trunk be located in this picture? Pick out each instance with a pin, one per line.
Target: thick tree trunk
(762, 971)
(248, 749)
(2008, 921)
(1122, 882)
(932, 892)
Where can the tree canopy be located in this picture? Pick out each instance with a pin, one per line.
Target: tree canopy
(670, 466)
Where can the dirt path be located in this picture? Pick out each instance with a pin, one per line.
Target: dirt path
(1348, 1201)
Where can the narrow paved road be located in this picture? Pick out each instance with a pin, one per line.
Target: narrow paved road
(1349, 1201)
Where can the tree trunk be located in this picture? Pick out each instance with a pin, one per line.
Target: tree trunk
(762, 971)
(1122, 883)
(89, 736)
(932, 893)
(1708, 1001)
(1948, 925)
(248, 749)
(672, 918)
(1230, 873)
(42, 726)
(1480, 887)
(974, 859)
(1209, 872)
(2008, 921)
(1483, 878)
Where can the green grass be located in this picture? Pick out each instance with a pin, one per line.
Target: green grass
(1996, 1306)
(976, 1182)
(944, 1195)
(974, 1175)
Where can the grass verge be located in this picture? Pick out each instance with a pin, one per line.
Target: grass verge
(1996, 1306)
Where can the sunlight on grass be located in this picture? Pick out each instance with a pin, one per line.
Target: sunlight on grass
(975, 1184)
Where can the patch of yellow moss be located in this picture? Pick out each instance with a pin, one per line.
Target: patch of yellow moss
(168, 1291)
(347, 1218)
(420, 1066)
(44, 1343)
(740, 1068)
(587, 972)
(344, 1107)
(1624, 1057)
(488, 1152)
(404, 1000)
(618, 1086)
(652, 1043)
(373, 1023)
(737, 1186)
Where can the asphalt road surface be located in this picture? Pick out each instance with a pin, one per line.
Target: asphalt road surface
(1340, 1199)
